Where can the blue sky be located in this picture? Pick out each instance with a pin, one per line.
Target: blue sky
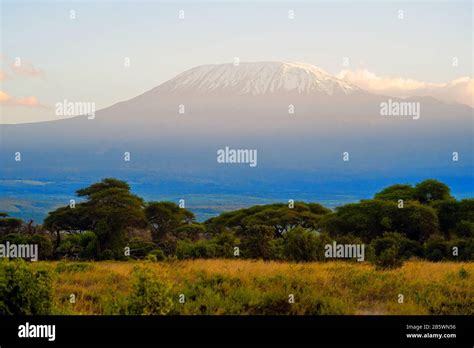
(83, 59)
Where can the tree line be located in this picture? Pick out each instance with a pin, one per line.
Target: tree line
(110, 222)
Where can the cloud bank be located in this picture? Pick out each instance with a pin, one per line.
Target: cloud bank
(460, 90)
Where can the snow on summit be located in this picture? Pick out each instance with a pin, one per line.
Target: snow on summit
(258, 78)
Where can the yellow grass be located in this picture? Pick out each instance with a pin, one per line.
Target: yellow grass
(427, 288)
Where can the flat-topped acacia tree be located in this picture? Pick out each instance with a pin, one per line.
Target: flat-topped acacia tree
(108, 210)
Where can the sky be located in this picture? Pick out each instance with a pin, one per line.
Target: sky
(395, 46)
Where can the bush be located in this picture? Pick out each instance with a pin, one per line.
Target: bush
(225, 243)
(390, 250)
(277, 249)
(201, 249)
(150, 296)
(465, 229)
(465, 248)
(45, 246)
(220, 246)
(256, 242)
(24, 291)
(304, 245)
(82, 246)
(139, 247)
(436, 249)
(107, 255)
(156, 255)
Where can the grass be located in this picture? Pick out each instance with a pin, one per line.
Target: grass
(258, 287)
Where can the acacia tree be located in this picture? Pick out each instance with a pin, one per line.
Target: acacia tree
(165, 218)
(9, 224)
(109, 210)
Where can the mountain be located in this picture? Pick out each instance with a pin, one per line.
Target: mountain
(255, 79)
(298, 117)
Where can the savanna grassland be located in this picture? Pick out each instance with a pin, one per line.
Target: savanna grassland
(258, 287)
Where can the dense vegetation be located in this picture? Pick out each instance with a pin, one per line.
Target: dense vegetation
(110, 222)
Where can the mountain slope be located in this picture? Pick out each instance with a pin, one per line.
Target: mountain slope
(299, 118)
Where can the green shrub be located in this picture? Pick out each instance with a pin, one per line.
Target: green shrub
(45, 246)
(158, 255)
(201, 249)
(107, 254)
(465, 229)
(304, 245)
(465, 249)
(23, 290)
(82, 246)
(220, 246)
(256, 242)
(150, 295)
(139, 247)
(436, 249)
(277, 249)
(390, 250)
(225, 243)
(389, 258)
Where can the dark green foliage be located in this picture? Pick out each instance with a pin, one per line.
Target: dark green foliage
(465, 249)
(221, 246)
(390, 250)
(278, 216)
(139, 247)
(23, 290)
(201, 249)
(431, 190)
(109, 210)
(270, 232)
(79, 246)
(370, 218)
(156, 255)
(256, 242)
(305, 245)
(385, 252)
(456, 217)
(436, 249)
(396, 192)
(105, 184)
(9, 224)
(165, 217)
(45, 246)
(277, 249)
(107, 254)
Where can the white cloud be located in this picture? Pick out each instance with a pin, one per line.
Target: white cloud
(460, 90)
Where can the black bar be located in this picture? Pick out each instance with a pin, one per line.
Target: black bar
(240, 330)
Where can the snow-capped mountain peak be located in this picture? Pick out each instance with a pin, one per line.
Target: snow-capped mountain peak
(256, 79)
